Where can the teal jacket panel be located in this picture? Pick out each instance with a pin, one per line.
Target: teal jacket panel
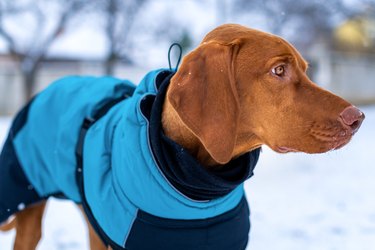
(46, 144)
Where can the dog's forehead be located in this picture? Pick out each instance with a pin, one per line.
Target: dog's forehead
(256, 44)
(268, 46)
(267, 42)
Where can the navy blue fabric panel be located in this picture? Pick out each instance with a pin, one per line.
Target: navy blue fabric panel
(227, 231)
(16, 191)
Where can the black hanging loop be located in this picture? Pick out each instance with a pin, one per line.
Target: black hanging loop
(179, 56)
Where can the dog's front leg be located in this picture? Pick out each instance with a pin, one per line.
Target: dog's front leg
(29, 227)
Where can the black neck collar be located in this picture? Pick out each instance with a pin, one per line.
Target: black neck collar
(180, 168)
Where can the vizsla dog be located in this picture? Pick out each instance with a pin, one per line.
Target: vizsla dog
(194, 136)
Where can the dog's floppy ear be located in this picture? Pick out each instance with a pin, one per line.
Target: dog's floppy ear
(204, 95)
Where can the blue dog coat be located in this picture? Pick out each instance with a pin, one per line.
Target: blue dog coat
(140, 189)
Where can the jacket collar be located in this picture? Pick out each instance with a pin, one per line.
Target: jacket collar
(181, 169)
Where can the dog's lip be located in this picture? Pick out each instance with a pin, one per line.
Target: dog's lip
(284, 149)
(339, 143)
(341, 139)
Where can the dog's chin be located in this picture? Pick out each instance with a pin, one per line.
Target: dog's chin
(318, 147)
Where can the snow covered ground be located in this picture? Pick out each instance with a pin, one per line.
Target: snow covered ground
(298, 201)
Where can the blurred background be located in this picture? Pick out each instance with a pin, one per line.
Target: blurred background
(42, 40)
(298, 201)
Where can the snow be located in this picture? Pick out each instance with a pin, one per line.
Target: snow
(298, 201)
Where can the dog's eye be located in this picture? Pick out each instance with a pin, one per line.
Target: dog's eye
(279, 70)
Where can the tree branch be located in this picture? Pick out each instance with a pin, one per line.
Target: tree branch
(7, 37)
(72, 9)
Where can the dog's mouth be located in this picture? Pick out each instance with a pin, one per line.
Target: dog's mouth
(334, 138)
(331, 139)
(328, 145)
(323, 141)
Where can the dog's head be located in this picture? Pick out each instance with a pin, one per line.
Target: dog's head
(241, 88)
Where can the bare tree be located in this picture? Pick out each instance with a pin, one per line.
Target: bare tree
(30, 17)
(120, 17)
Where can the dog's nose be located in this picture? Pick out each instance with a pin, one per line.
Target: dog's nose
(352, 117)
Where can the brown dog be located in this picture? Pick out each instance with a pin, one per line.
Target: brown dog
(255, 86)
(239, 89)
